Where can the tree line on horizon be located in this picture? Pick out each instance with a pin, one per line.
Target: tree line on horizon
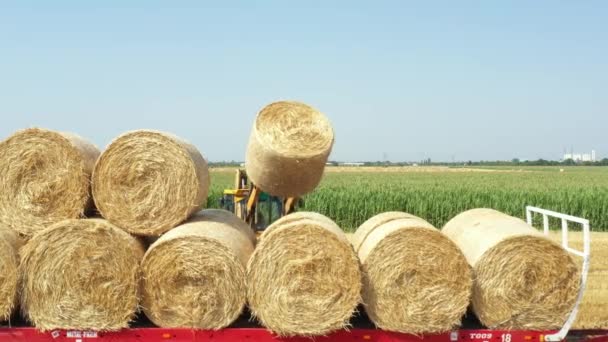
(429, 162)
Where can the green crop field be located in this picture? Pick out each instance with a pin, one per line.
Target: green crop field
(351, 195)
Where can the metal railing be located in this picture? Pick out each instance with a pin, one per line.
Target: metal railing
(585, 254)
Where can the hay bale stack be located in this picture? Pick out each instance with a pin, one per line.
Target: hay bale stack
(194, 275)
(415, 280)
(148, 182)
(303, 277)
(9, 275)
(81, 274)
(593, 310)
(523, 280)
(288, 148)
(45, 178)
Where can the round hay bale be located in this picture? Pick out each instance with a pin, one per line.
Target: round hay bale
(45, 178)
(523, 280)
(374, 222)
(300, 215)
(303, 277)
(9, 276)
(194, 275)
(148, 182)
(593, 310)
(288, 148)
(415, 280)
(81, 274)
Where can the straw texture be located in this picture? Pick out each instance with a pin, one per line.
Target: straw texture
(194, 275)
(9, 275)
(303, 277)
(593, 310)
(415, 280)
(80, 274)
(148, 182)
(288, 148)
(523, 280)
(45, 178)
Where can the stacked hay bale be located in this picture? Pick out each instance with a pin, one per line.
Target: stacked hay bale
(80, 274)
(148, 182)
(415, 280)
(9, 275)
(523, 280)
(288, 148)
(593, 310)
(303, 277)
(45, 178)
(194, 275)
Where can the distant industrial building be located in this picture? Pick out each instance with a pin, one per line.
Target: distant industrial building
(581, 157)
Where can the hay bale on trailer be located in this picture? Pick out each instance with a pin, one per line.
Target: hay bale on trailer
(148, 182)
(523, 280)
(81, 274)
(45, 178)
(415, 280)
(303, 277)
(288, 148)
(593, 310)
(194, 276)
(9, 275)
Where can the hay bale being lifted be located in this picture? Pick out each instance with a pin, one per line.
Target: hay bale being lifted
(148, 182)
(45, 178)
(288, 148)
(81, 274)
(303, 277)
(194, 275)
(415, 280)
(9, 275)
(523, 280)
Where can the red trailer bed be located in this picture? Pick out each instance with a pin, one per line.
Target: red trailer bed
(262, 335)
(245, 329)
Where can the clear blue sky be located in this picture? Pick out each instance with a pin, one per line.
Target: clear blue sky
(439, 79)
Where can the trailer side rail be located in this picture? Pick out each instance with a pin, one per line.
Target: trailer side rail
(585, 254)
